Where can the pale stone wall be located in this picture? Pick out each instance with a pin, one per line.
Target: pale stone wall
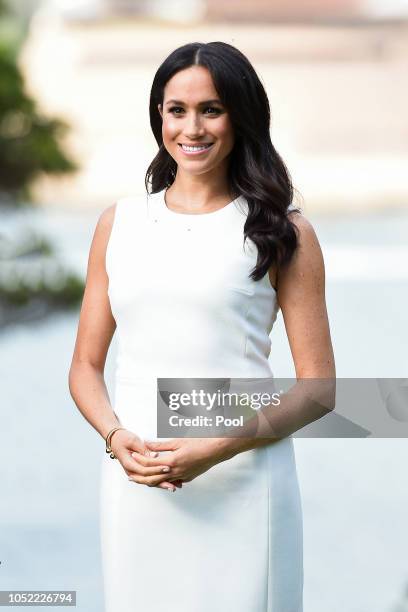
(270, 10)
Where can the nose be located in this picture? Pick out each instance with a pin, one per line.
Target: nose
(194, 128)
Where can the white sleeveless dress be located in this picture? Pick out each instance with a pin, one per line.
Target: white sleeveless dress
(231, 539)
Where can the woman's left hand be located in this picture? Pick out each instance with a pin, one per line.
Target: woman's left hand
(189, 457)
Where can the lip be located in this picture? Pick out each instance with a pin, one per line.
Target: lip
(190, 153)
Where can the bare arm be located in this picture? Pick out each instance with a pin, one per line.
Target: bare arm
(95, 331)
(301, 296)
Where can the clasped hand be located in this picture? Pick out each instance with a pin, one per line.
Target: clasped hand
(183, 459)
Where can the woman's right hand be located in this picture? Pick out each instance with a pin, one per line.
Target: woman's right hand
(123, 444)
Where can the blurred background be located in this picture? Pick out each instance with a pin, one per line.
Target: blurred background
(75, 77)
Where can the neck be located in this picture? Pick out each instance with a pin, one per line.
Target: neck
(198, 192)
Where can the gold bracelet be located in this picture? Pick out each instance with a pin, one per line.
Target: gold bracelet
(108, 439)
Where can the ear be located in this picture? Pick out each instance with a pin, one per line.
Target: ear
(159, 107)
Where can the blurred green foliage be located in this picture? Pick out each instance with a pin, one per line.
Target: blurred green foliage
(30, 142)
(33, 282)
(65, 295)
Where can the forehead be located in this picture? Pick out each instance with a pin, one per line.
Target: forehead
(191, 85)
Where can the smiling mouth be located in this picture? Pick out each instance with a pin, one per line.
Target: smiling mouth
(193, 148)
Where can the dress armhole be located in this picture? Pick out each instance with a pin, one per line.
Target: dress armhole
(111, 239)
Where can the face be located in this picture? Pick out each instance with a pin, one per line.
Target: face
(192, 116)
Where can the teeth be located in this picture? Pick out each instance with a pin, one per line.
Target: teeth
(186, 148)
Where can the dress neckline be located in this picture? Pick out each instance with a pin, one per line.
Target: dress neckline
(192, 217)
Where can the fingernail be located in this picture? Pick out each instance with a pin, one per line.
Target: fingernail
(170, 489)
(166, 469)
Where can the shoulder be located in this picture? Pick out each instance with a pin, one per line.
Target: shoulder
(104, 226)
(304, 228)
(308, 242)
(101, 235)
(108, 215)
(117, 217)
(306, 265)
(105, 223)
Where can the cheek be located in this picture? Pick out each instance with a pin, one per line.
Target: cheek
(169, 129)
(225, 132)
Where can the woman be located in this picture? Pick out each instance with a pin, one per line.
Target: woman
(190, 298)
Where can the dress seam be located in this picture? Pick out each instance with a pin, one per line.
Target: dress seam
(248, 310)
(269, 535)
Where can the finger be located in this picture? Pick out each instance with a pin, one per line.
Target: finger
(162, 485)
(153, 471)
(136, 468)
(150, 461)
(177, 483)
(151, 481)
(159, 445)
(168, 485)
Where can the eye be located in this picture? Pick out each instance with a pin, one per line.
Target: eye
(214, 108)
(173, 109)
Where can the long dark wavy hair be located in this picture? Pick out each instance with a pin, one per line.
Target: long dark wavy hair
(255, 170)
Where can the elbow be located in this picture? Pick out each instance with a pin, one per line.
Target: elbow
(80, 372)
(71, 380)
(73, 375)
(320, 384)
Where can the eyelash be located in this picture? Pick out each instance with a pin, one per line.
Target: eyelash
(217, 110)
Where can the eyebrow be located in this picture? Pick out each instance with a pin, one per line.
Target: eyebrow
(200, 104)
